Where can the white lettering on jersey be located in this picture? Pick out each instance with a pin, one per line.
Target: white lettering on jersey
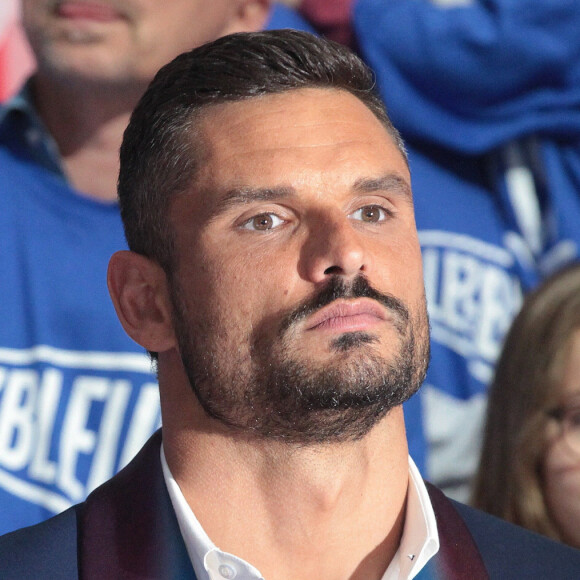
(20, 391)
(41, 467)
(471, 296)
(70, 421)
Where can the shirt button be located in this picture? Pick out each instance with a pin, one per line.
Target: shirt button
(227, 571)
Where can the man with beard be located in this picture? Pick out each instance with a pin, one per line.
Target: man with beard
(274, 274)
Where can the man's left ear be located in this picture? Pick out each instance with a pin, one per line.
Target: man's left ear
(140, 293)
(251, 15)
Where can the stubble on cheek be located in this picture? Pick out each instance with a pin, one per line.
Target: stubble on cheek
(263, 378)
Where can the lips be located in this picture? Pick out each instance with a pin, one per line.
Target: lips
(95, 11)
(347, 316)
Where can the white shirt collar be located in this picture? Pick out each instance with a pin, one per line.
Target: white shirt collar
(420, 539)
(419, 542)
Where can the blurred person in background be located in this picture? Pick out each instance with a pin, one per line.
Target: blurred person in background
(530, 464)
(487, 97)
(77, 396)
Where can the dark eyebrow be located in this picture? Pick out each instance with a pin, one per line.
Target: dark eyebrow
(390, 182)
(244, 195)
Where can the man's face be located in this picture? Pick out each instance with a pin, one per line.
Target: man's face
(120, 41)
(298, 291)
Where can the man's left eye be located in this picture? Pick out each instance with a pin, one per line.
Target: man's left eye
(370, 214)
(263, 222)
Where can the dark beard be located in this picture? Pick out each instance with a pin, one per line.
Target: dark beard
(276, 397)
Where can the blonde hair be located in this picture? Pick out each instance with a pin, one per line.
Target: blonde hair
(527, 383)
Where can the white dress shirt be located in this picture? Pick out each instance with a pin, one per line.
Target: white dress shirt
(419, 542)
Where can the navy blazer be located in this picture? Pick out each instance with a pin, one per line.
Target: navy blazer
(127, 529)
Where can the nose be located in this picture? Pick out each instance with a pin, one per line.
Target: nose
(333, 247)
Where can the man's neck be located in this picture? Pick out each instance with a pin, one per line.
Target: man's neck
(87, 124)
(336, 511)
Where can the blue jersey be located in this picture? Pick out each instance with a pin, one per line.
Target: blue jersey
(77, 396)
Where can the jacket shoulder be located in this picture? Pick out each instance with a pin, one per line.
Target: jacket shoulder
(46, 550)
(510, 551)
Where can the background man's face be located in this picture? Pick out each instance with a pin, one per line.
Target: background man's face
(120, 40)
(298, 290)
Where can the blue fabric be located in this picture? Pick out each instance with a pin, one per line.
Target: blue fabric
(282, 16)
(510, 551)
(428, 572)
(77, 397)
(473, 75)
(50, 549)
(561, 160)
(473, 278)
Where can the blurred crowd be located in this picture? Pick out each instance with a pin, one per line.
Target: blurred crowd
(486, 95)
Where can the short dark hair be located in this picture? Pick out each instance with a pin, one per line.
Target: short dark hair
(161, 148)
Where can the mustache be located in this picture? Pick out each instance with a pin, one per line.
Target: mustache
(338, 289)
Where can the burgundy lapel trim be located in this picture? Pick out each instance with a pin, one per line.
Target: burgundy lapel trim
(458, 557)
(128, 529)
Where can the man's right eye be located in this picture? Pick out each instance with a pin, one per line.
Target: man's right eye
(263, 222)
